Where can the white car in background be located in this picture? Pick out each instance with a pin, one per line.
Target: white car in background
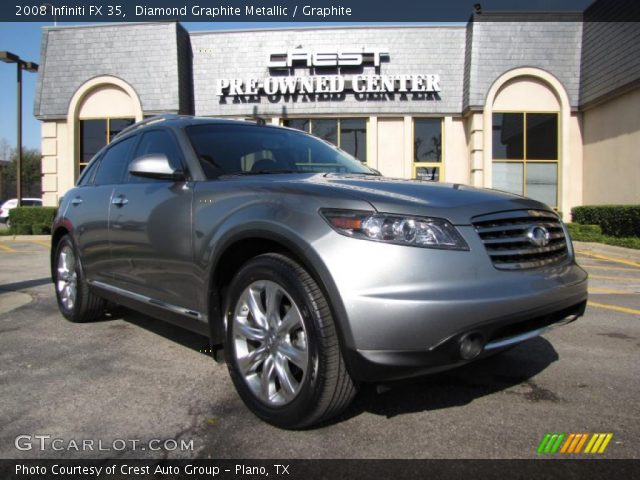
(13, 203)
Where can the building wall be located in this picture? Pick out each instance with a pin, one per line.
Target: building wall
(504, 42)
(610, 97)
(98, 98)
(161, 67)
(456, 150)
(412, 50)
(143, 55)
(612, 151)
(610, 45)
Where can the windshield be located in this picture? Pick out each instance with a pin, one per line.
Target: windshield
(226, 149)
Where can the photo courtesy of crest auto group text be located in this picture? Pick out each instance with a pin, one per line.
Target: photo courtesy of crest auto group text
(299, 240)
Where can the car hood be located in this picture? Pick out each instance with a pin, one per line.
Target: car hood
(455, 202)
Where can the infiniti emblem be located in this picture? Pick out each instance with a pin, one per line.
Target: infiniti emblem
(538, 236)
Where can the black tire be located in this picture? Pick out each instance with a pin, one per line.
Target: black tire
(86, 306)
(326, 388)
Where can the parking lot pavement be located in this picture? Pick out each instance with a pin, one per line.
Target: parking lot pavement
(136, 378)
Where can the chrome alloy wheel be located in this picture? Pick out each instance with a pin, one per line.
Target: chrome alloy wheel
(270, 340)
(67, 280)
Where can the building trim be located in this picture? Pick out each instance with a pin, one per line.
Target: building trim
(559, 91)
(76, 102)
(611, 95)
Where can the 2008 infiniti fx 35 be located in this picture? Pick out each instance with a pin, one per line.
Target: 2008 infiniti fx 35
(311, 272)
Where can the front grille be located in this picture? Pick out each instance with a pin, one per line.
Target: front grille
(505, 236)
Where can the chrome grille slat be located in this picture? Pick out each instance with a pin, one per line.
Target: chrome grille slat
(504, 235)
(500, 240)
(528, 251)
(515, 226)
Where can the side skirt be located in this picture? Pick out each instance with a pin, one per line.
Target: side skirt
(181, 317)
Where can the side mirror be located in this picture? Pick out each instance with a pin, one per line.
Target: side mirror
(155, 165)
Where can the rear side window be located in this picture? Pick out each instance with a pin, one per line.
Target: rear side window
(158, 141)
(114, 163)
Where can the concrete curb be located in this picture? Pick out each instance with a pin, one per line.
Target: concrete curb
(629, 254)
(25, 238)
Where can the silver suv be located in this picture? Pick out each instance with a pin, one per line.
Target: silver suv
(308, 270)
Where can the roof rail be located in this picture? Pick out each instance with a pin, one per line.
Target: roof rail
(147, 121)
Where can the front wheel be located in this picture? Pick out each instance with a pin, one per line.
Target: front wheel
(282, 346)
(76, 302)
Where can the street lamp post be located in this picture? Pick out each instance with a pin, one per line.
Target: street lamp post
(9, 57)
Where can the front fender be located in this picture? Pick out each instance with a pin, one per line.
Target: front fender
(292, 221)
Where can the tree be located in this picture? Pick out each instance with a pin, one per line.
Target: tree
(31, 172)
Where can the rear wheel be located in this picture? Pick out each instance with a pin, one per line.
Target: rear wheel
(282, 347)
(75, 301)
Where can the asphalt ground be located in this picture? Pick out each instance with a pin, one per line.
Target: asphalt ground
(134, 378)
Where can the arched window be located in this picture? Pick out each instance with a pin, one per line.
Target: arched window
(524, 121)
(99, 110)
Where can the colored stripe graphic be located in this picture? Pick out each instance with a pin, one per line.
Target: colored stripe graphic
(572, 438)
(551, 443)
(594, 437)
(556, 445)
(543, 443)
(582, 442)
(572, 443)
(598, 443)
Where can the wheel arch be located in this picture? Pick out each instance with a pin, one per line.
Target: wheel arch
(244, 246)
(56, 236)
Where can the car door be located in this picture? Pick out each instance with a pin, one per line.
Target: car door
(150, 229)
(89, 208)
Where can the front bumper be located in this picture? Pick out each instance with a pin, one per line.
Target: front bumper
(406, 309)
(386, 365)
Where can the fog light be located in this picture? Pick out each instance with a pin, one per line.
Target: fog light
(471, 345)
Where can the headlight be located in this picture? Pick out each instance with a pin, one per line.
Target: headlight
(397, 229)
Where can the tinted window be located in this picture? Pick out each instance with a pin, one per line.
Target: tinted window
(116, 125)
(230, 149)
(326, 130)
(427, 140)
(542, 136)
(92, 138)
(350, 134)
(298, 123)
(353, 137)
(95, 133)
(114, 163)
(508, 136)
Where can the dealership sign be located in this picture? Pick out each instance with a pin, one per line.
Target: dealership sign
(328, 84)
(327, 58)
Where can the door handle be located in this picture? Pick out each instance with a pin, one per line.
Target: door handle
(119, 201)
(76, 201)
